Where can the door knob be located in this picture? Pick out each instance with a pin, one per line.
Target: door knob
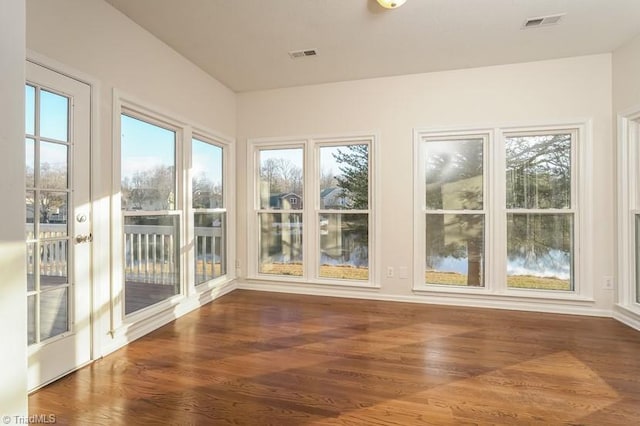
(85, 238)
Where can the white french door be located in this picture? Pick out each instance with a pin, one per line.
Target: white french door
(58, 224)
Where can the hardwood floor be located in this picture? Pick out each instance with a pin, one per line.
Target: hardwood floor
(262, 358)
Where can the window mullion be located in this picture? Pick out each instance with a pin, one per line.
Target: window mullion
(498, 235)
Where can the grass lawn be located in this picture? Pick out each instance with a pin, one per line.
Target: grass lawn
(344, 272)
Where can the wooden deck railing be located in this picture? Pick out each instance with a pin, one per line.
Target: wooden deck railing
(150, 252)
(53, 249)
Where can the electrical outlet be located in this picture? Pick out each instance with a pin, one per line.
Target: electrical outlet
(390, 272)
(607, 283)
(403, 273)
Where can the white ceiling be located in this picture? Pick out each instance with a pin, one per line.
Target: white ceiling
(244, 43)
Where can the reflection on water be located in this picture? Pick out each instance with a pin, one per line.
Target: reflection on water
(555, 263)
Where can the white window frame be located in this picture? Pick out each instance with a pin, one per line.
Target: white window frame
(228, 199)
(119, 324)
(256, 211)
(311, 208)
(495, 287)
(572, 210)
(628, 207)
(155, 119)
(423, 139)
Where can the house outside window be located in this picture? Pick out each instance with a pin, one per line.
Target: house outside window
(313, 210)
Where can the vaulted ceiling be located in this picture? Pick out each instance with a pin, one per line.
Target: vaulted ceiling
(245, 43)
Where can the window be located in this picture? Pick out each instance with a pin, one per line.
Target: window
(628, 278)
(209, 212)
(454, 211)
(540, 210)
(175, 223)
(151, 219)
(313, 210)
(344, 213)
(498, 211)
(280, 239)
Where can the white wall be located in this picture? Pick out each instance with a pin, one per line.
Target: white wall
(626, 72)
(538, 92)
(626, 97)
(13, 285)
(92, 40)
(98, 40)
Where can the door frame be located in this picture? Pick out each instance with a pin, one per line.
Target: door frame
(99, 272)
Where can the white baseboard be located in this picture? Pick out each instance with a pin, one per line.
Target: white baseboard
(492, 302)
(131, 332)
(625, 316)
(128, 334)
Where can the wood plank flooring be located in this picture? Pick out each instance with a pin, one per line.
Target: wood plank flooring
(253, 358)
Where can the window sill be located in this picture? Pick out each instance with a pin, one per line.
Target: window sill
(522, 294)
(299, 281)
(213, 283)
(153, 310)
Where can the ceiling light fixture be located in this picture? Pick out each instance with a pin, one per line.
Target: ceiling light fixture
(391, 4)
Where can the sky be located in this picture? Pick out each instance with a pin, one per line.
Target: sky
(207, 160)
(144, 146)
(328, 163)
(53, 125)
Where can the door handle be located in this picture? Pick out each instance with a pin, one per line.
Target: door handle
(85, 238)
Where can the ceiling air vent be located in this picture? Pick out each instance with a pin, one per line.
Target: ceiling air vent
(295, 54)
(542, 21)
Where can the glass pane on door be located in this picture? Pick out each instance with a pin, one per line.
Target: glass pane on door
(53, 165)
(54, 116)
(54, 305)
(47, 203)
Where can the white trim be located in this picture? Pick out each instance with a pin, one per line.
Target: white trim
(137, 110)
(495, 210)
(228, 202)
(627, 316)
(627, 309)
(99, 221)
(132, 331)
(490, 301)
(253, 200)
(322, 282)
(311, 145)
(124, 329)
